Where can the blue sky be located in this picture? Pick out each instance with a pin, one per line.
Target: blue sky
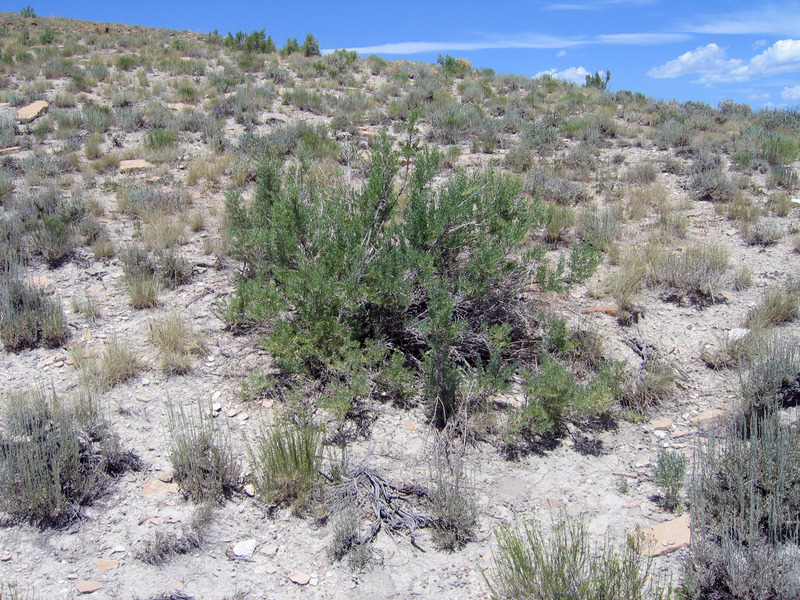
(707, 51)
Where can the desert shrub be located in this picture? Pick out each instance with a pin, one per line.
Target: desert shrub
(668, 474)
(285, 464)
(118, 362)
(96, 118)
(543, 185)
(532, 564)
(453, 508)
(696, 273)
(764, 233)
(653, 383)
(709, 180)
(768, 367)
(145, 201)
(202, 458)
(744, 511)
(780, 150)
(783, 176)
(28, 316)
(369, 277)
(642, 174)
(126, 62)
(56, 455)
(7, 131)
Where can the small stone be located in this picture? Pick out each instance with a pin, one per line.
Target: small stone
(107, 565)
(553, 502)
(245, 548)
(95, 288)
(270, 549)
(5, 557)
(410, 426)
(144, 399)
(738, 333)
(260, 569)
(250, 489)
(233, 412)
(626, 474)
(667, 536)
(633, 504)
(642, 464)
(216, 407)
(145, 381)
(88, 587)
(216, 396)
(117, 550)
(661, 424)
(26, 114)
(138, 164)
(299, 577)
(166, 476)
(679, 433)
(660, 434)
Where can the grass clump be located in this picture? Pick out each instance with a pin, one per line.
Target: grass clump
(201, 455)
(178, 345)
(777, 306)
(285, 464)
(56, 455)
(118, 363)
(695, 273)
(532, 564)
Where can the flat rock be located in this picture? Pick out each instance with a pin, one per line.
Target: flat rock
(89, 97)
(299, 577)
(158, 488)
(667, 537)
(136, 164)
(107, 565)
(270, 549)
(10, 150)
(553, 502)
(250, 489)
(244, 548)
(607, 309)
(40, 282)
(26, 114)
(708, 419)
(88, 587)
(166, 476)
(661, 424)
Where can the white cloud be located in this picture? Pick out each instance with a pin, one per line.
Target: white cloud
(528, 40)
(707, 60)
(791, 94)
(596, 4)
(642, 39)
(576, 75)
(775, 19)
(522, 41)
(713, 65)
(561, 53)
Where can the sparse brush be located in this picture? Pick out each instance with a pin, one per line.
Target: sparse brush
(642, 174)
(769, 365)
(780, 203)
(764, 233)
(696, 272)
(202, 458)
(285, 463)
(347, 540)
(626, 282)
(178, 345)
(88, 307)
(653, 383)
(743, 508)
(56, 456)
(777, 306)
(162, 232)
(143, 290)
(453, 507)
(28, 315)
(563, 563)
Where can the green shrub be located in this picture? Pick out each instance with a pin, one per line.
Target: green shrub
(371, 276)
(668, 474)
(453, 508)
(201, 455)
(126, 62)
(285, 464)
(159, 138)
(531, 564)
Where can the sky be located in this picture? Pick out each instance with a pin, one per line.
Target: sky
(707, 51)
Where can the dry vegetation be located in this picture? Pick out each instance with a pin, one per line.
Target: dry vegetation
(320, 247)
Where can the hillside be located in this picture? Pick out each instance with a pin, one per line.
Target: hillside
(279, 325)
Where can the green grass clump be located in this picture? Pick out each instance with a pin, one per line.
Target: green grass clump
(533, 565)
(285, 464)
(669, 474)
(159, 138)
